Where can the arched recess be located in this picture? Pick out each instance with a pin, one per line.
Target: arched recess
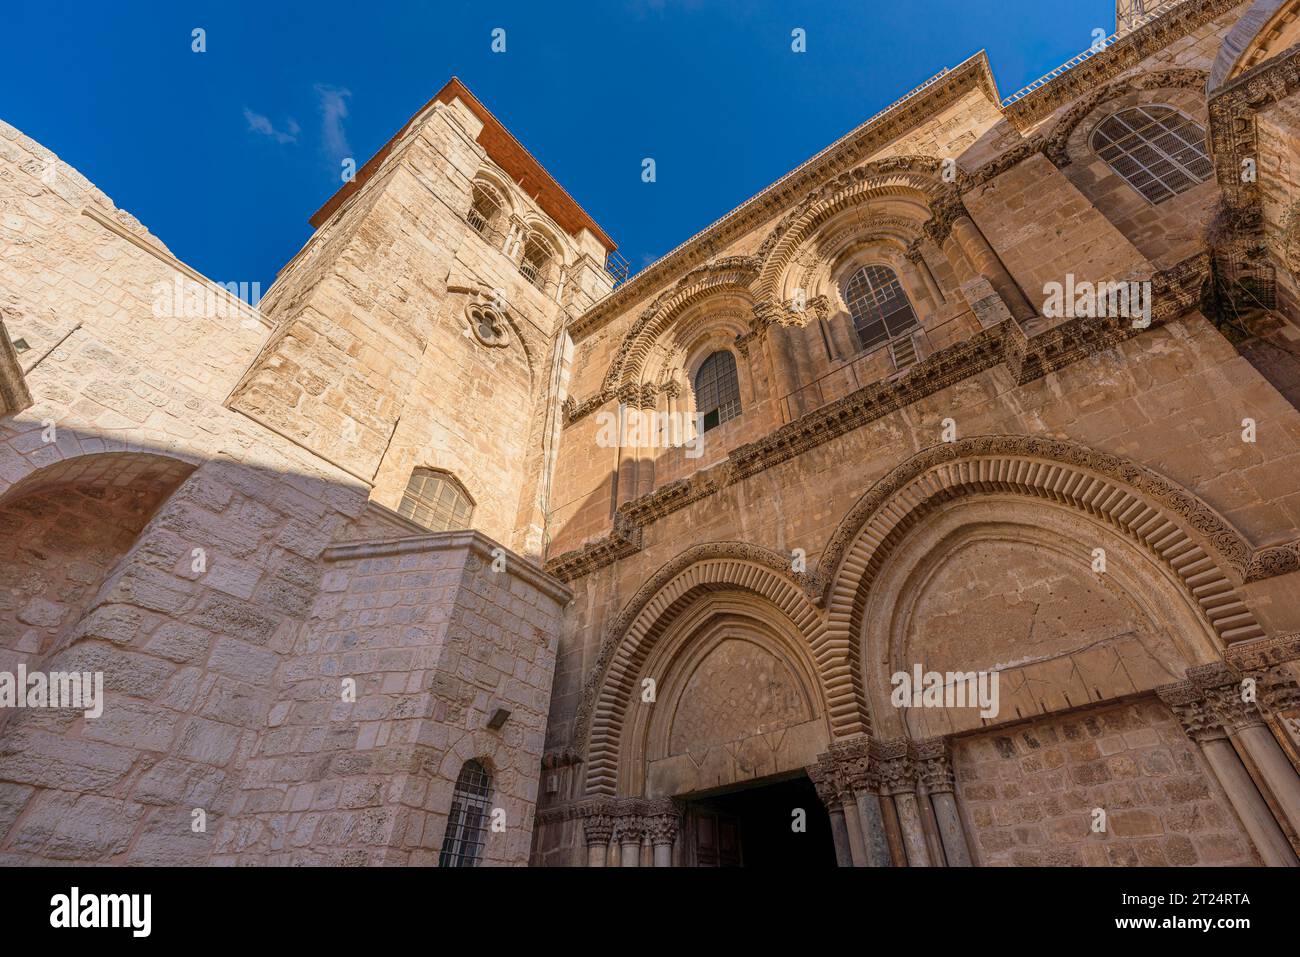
(1264, 30)
(671, 592)
(995, 582)
(63, 529)
(737, 697)
(904, 188)
(727, 279)
(1204, 555)
(1067, 141)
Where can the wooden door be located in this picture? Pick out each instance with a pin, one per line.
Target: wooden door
(713, 838)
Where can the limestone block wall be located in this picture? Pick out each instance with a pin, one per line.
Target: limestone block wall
(1172, 399)
(434, 641)
(1028, 794)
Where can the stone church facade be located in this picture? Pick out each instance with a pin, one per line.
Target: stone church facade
(368, 582)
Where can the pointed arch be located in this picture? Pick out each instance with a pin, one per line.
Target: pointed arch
(671, 592)
(1204, 553)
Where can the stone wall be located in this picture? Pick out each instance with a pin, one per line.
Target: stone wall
(1029, 794)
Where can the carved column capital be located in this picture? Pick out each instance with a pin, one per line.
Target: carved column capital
(894, 766)
(597, 825)
(1199, 719)
(826, 778)
(1223, 688)
(852, 760)
(662, 829)
(629, 829)
(933, 762)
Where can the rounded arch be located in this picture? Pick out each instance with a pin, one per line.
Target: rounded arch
(728, 279)
(1067, 141)
(1266, 29)
(1173, 526)
(668, 594)
(998, 583)
(123, 466)
(914, 179)
(499, 184)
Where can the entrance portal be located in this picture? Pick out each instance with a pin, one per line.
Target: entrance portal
(754, 826)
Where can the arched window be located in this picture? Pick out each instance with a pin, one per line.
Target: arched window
(878, 305)
(717, 391)
(484, 210)
(537, 260)
(436, 500)
(1158, 151)
(462, 842)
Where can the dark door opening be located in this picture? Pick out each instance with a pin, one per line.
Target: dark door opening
(755, 827)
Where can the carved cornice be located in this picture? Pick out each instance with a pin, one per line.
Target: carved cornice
(1264, 653)
(1055, 144)
(1174, 292)
(1124, 55)
(841, 156)
(1234, 134)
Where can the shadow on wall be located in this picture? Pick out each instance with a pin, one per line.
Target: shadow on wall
(200, 592)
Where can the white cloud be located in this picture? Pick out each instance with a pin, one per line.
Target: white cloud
(334, 108)
(260, 124)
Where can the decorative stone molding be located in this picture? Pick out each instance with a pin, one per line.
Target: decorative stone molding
(933, 762)
(1221, 687)
(1278, 689)
(851, 150)
(1200, 721)
(1234, 133)
(1145, 506)
(1055, 144)
(628, 640)
(1265, 653)
(914, 174)
(487, 325)
(894, 766)
(1125, 54)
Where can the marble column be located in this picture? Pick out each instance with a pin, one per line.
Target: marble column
(1201, 723)
(934, 769)
(663, 834)
(971, 244)
(853, 758)
(826, 778)
(628, 832)
(596, 829)
(1235, 705)
(898, 780)
(917, 258)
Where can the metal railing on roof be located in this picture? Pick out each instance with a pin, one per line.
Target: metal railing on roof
(617, 267)
(1137, 19)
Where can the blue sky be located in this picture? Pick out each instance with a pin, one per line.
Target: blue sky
(225, 154)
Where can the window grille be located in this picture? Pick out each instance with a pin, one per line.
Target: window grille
(533, 265)
(483, 210)
(878, 305)
(717, 390)
(466, 833)
(436, 501)
(1157, 150)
